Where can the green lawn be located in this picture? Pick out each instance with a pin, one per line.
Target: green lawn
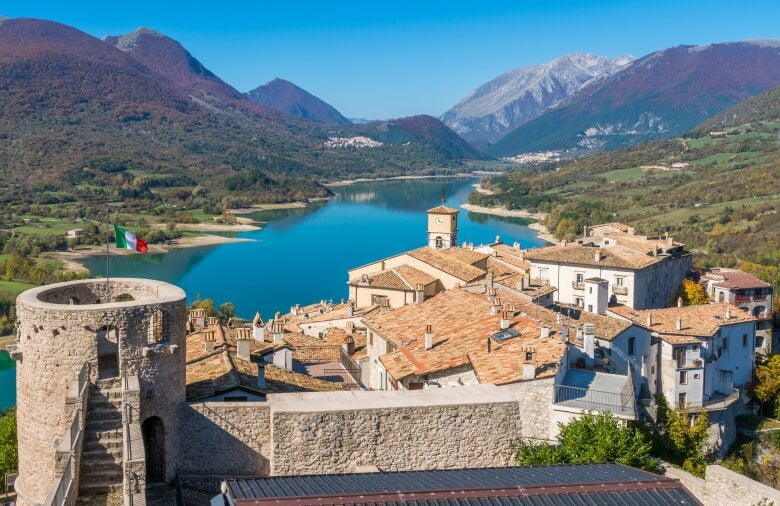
(14, 288)
(48, 227)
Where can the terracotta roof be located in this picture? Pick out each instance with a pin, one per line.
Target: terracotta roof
(504, 363)
(403, 277)
(611, 256)
(457, 262)
(442, 210)
(534, 289)
(701, 321)
(461, 323)
(739, 279)
(512, 256)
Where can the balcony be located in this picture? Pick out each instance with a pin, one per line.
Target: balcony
(578, 285)
(596, 391)
(714, 402)
(619, 290)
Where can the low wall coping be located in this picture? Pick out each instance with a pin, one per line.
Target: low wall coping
(313, 402)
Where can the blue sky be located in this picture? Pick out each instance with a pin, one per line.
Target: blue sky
(378, 59)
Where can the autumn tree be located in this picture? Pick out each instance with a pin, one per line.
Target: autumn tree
(679, 437)
(692, 293)
(766, 383)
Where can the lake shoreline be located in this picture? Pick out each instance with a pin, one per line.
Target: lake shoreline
(346, 182)
(70, 258)
(542, 232)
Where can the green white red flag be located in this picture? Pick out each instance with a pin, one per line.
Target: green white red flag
(127, 240)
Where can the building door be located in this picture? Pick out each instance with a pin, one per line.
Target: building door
(108, 352)
(154, 449)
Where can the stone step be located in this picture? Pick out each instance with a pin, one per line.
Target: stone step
(103, 435)
(108, 383)
(102, 454)
(94, 493)
(103, 413)
(97, 395)
(104, 403)
(104, 423)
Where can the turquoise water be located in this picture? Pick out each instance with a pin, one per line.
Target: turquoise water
(302, 255)
(7, 380)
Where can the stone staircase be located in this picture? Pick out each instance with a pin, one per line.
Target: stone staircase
(101, 458)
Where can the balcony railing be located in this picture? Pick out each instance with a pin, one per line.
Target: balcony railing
(746, 299)
(621, 403)
(712, 402)
(619, 290)
(578, 285)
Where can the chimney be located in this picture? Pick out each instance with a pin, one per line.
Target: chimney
(516, 245)
(258, 328)
(728, 312)
(261, 375)
(504, 322)
(496, 307)
(419, 293)
(529, 367)
(649, 321)
(597, 256)
(679, 301)
(242, 344)
(208, 341)
(385, 306)
(278, 331)
(350, 308)
(428, 337)
(589, 342)
(559, 318)
(544, 333)
(498, 239)
(489, 279)
(349, 327)
(349, 345)
(212, 321)
(678, 326)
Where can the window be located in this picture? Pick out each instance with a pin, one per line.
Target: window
(678, 354)
(439, 242)
(631, 345)
(683, 377)
(378, 299)
(590, 308)
(725, 343)
(415, 385)
(544, 275)
(681, 401)
(721, 297)
(652, 369)
(580, 277)
(156, 326)
(620, 280)
(579, 301)
(744, 340)
(759, 341)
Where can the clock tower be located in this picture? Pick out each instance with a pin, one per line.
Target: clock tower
(442, 227)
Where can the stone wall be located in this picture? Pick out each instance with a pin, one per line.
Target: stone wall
(394, 431)
(226, 438)
(724, 487)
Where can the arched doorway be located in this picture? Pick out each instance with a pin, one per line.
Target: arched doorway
(108, 352)
(153, 431)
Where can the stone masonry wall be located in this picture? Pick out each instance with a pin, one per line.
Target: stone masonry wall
(226, 438)
(724, 487)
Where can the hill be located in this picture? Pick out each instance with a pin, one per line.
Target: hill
(516, 97)
(284, 96)
(660, 95)
(86, 121)
(715, 191)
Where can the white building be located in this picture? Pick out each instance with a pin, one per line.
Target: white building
(640, 272)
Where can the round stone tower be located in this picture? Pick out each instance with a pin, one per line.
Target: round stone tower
(129, 327)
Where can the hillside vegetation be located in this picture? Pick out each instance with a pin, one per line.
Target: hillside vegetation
(716, 192)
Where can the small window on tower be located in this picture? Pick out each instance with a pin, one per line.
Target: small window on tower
(439, 242)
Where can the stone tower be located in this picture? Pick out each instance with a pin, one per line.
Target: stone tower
(126, 342)
(442, 227)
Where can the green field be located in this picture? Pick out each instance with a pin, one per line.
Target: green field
(13, 288)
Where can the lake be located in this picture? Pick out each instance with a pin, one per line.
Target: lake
(302, 255)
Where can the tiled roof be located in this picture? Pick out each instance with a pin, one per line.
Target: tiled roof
(533, 289)
(512, 256)
(504, 363)
(701, 321)
(611, 256)
(461, 323)
(443, 210)
(739, 279)
(403, 277)
(457, 262)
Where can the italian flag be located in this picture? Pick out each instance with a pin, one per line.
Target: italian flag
(125, 239)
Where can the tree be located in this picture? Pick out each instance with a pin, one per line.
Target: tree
(206, 304)
(593, 438)
(766, 383)
(692, 293)
(226, 311)
(680, 436)
(9, 459)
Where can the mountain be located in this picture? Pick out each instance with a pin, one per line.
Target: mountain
(168, 58)
(659, 95)
(713, 192)
(83, 118)
(515, 98)
(286, 97)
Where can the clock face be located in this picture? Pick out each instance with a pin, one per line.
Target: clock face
(439, 221)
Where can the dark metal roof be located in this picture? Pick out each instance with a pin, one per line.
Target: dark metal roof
(566, 484)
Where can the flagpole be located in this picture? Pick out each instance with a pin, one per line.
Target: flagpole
(108, 265)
